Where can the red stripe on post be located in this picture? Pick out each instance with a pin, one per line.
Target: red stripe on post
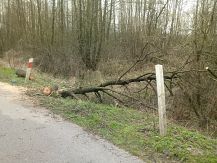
(29, 68)
(30, 65)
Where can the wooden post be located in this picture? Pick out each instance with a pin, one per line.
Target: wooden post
(161, 99)
(29, 68)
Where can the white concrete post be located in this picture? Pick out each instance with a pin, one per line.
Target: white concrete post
(28, 70)
(161, 99)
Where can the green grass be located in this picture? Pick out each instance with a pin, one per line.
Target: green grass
(8, 75)
(130, 129)
(136, 131)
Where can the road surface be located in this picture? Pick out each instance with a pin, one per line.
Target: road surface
(33, 135)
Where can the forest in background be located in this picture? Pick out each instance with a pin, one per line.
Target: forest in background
(70, 37)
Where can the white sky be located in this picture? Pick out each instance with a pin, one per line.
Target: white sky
(188, 5)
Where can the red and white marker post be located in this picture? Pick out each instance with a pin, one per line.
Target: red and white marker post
(28, 70)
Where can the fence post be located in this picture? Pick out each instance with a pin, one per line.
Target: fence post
(29, 68)
(161, 99)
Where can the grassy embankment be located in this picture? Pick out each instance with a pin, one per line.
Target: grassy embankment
(130, 129)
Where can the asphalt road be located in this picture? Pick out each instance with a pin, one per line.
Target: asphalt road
(33, 135)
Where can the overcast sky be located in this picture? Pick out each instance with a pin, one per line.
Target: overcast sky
(188, 5)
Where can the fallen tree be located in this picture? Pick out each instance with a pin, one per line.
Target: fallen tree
(148, 78)
(106, 87)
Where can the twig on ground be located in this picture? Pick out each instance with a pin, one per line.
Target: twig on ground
(211, 72)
